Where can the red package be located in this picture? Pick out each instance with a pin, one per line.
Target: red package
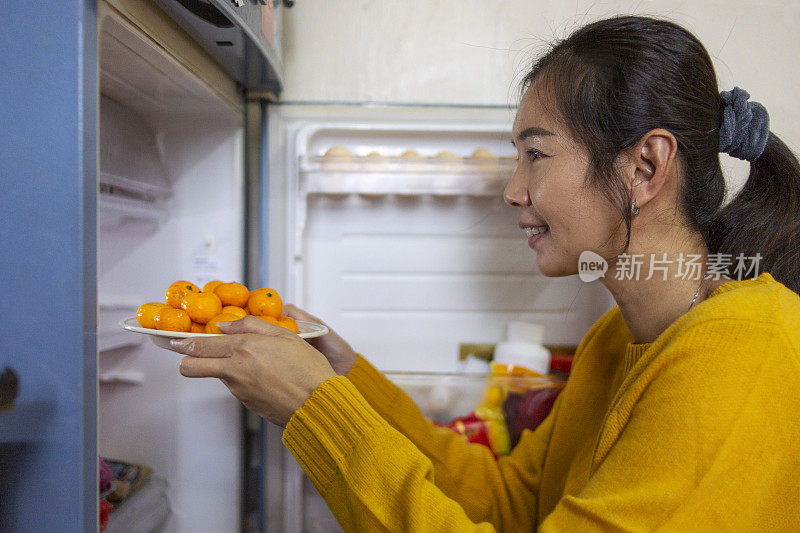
(483, 426)
(105, 513)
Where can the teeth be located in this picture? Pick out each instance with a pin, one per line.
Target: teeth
(530, 232)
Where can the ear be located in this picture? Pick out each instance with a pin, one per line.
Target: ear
(652, 165)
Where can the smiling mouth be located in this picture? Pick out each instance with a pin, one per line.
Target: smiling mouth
(530, 232)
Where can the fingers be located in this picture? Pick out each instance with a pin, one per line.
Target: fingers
(250, 324)
(194, 367)
(212, 347)
(295, 312)
(226, 345)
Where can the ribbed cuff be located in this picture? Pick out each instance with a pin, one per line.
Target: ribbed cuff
(378, 390)
(326, 428)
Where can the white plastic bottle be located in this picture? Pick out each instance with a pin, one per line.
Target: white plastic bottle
(523, 347)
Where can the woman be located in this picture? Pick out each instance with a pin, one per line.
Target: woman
(681, 410)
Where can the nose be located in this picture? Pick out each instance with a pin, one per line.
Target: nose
(516, 191)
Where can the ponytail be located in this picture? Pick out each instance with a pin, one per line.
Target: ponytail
(764, 217)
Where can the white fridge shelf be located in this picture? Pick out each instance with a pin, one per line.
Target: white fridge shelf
(109, 335)
(110, 339)
(404, 176)
(121, 377)
(114, 210)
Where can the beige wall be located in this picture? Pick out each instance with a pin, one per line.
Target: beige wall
(475, 51)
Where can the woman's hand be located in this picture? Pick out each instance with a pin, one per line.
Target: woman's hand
(269, 368)
(339, 354)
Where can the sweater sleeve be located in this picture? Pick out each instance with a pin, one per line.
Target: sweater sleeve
(374, 479)
(500, 491)
(371, 476)
(707, 440)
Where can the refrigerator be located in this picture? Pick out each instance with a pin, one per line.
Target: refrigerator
(180, 161)
(387, 221)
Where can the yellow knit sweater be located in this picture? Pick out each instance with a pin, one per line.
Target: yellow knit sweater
(696, 431)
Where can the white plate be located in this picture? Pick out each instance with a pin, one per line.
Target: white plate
(308, 330)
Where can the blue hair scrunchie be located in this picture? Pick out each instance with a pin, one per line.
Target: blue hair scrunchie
(745, 126)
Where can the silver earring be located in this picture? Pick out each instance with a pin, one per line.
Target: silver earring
(634, 209)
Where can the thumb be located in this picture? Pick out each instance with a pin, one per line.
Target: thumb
(296, 313)
(250, 324)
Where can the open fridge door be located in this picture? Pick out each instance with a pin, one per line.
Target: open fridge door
(170, 207)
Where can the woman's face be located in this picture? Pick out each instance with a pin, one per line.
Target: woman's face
(550, 189)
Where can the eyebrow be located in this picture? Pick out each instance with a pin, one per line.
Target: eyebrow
(532, 132)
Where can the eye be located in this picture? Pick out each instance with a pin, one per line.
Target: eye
(533, 155)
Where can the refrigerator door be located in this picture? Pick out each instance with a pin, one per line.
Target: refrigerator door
(171, 207)
(48, 449)
(166, 213)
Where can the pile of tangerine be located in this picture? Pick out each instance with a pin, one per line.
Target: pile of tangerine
(189, 309)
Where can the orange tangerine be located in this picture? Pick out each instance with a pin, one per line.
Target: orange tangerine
(201, 306)
(232, 309)
(267, 318)
(177, 292)
(232, 294)
(211, 285)
(171, 319)
(197, 327)
(288, 323)
(265, 302)
(146, 313)
(211, 325)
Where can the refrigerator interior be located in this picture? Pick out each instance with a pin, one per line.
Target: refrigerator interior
(407, 255)
(170, 207)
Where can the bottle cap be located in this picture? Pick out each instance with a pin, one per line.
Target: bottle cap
(525, 332)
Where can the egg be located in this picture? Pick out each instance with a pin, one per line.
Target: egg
(337, 151)
(482, 153)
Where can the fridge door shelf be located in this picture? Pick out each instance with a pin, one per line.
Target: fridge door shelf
(109, 335)
(132, 187)
(373, 163)
(114, 210)
(404, 176)
(121, 377)
(129, 153)
(110, 339)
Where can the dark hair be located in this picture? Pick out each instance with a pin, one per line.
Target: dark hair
(614, 80)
